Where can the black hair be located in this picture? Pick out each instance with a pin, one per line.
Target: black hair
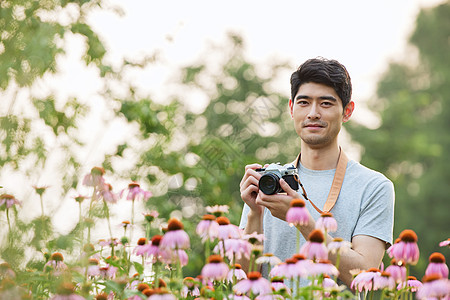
(325, 71)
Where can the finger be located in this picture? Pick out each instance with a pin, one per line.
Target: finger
(287, 188)
(252, 167)
(249, 170)
(250, 181)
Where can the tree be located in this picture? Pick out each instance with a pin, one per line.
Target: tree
(412, 143)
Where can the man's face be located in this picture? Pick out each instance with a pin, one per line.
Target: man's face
(318, 114)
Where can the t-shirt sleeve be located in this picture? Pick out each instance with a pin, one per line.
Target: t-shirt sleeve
(376, 216)
(243, 221)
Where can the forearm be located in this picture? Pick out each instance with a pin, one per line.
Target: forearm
(254, 224)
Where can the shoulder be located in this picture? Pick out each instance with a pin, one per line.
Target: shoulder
(364, 174)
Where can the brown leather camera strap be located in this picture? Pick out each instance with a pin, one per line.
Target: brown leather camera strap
(335, 186)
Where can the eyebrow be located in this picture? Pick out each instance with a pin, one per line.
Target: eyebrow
(331, 98)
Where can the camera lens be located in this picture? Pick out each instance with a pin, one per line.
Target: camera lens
(269, 183)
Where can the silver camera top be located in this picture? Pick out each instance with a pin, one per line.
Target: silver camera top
(287, 169)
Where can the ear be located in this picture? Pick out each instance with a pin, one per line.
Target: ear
(291, 108)
(348, 111)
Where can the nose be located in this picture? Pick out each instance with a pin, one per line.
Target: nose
(313, 113)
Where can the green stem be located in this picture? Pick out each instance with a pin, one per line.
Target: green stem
(108, 219)
(207, 250)
(132, 220)
(9, 225)
(298, 241)
(42, 205)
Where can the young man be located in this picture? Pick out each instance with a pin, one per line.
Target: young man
(320, 103)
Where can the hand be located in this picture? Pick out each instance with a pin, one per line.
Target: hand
(249, 187)
(278, 204)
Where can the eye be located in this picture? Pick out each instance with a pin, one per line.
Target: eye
(327, 103)
(302, 102)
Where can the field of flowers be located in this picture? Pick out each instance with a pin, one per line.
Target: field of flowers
(152, 268)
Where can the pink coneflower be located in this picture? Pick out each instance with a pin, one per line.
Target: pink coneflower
(254, 238)
(339, 245)
(142, 247)
(289, 269)
(397, 271)
(297, 214)
(95, 178)
(153, 251)
(190, 287)
(278, 285)
(412, 284)
(111, 242)
(445, 243)
(150, 216)
(384, 281)
(227, 230)
(175, 237)
(255, 284)
(437, 265)
(217, 210)
(208, 228)
(323, 267)
(161, 294)
(234, 248)
(406, 249)
(8, 201)
(326, 222)
(434, 287)
(239, 274)
(215, 269)
(66, 291)
(94, 267)
(172, 256)
(56, 262)
(105, 192)
(364, 280)
(315, 248)
(268, 258)
(108, 271)
(135, 193)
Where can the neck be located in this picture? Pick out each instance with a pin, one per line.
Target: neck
(320, 158)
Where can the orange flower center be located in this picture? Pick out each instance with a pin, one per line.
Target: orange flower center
(209, 217)
(437, 257)
(254, 275)
(326, 215)
(156, 240)
(223, 221)
(408, 236)
(298, 203)
(142, 286)
(316, 236)
(57, 256)
(215, 259)
(142, 241)
(174, 224)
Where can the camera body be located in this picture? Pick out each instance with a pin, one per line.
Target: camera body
(269, 183)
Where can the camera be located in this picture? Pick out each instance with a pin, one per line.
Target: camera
(269, 183)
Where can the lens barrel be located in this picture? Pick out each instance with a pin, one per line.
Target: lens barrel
(269, 183)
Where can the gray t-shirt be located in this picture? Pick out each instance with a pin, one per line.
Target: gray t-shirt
(365, 206)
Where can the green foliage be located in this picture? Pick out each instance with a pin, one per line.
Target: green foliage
(412, 143)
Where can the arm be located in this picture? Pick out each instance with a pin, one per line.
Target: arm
(249, 194)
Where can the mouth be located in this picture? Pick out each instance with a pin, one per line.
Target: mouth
(314, 125)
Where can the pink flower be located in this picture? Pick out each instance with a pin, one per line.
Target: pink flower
(398, 272)
(326, 222)
(111, 242)
(106, 193)
(175, 237)
(234, 248)
(142, 248)
(108, 271)
(217, 210)
(135, 193)
(56, 263)
(150, 216)
(268, 258)
(95, 178)
(445, 243)
(297, 214)
(153, 251)
(162, 294)
(434, 287)
(412, 283)
(227, 230)
(406, 249)
(255, 284)
(323, 267)
(279, 286)
(8, 201)
(190, 287)
(437, 265)
(364, 280)
(93, 268)
(314, 248)
(254, 238)
(215, 269)
(291, 268)
(208, 228)
(239, 274)
(384, 281)
(339, 245)
(172, 256)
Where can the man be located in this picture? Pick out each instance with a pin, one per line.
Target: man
(320, 103)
